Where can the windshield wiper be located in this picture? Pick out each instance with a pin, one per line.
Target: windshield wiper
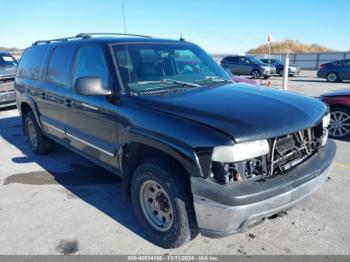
(178, 82)
(215, 79)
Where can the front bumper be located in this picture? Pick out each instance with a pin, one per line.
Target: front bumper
(223, 210)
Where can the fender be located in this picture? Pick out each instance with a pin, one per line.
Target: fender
(25, 98)
(180, 151)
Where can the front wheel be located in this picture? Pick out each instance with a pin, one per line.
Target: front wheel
(163, 203)
(256, 74)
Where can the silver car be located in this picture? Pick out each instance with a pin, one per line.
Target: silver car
(248, 65)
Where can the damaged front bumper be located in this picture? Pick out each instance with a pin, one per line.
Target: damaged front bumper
(223, 210)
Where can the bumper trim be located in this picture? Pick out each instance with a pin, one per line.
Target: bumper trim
(218, 220)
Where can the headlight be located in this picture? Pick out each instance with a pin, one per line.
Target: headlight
(326, 120)
(240, 151)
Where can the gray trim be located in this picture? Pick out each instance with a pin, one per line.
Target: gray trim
(89, 144)
(53, 127)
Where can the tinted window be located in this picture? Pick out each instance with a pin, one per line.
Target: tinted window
(346, 63)
(7, 60)
(31, 62)
(234, 59)
(91, 62)
(59, 64)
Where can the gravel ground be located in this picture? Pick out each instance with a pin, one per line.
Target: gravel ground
(63, 204)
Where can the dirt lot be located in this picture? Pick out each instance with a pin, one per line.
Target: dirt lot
(61, 203)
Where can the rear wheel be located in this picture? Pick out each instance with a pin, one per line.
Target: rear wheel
(332, 77)
(256, 74)
(340, 123)
(39, 143)
(281, 72)
(163, 203)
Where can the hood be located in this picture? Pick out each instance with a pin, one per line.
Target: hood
(8, 71)
(244, 112)
(344, 92)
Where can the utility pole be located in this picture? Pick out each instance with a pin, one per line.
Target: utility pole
(286, 72)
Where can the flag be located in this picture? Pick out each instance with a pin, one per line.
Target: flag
(269, 38)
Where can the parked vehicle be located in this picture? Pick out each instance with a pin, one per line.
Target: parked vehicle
(8, 67)
(196, 152)
(293, 70)
(339, 103)
(248, 65)
(240, 79)
(335, 71)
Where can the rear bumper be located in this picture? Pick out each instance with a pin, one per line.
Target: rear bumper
(242, 207)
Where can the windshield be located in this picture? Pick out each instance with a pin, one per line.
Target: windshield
(254, 60)
(7, 60)
(151, 66)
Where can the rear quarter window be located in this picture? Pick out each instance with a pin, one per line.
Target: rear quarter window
(31, 62)
(59, 65)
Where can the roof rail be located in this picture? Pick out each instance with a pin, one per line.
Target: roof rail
(89, 35)
(57, 40)
(84, 36)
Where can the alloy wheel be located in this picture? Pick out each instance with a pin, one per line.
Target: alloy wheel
(340, 124)
(332, 77)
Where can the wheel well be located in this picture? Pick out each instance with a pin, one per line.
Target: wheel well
(134, 154)
(256, 69)
(25, 108)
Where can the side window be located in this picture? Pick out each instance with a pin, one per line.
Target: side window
(31, 62)
(346, 63)
(234, 59)
(59, 65)
(91, 62)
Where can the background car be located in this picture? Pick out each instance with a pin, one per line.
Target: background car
(339, 103)
(335, 71)
(293, 70)
(8, 68)
(248, 65)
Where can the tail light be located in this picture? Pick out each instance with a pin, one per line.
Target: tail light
(321, 66)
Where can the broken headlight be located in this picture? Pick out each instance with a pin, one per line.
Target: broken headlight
(227, 160)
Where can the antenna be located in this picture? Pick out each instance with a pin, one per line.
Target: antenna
(181, 38)
(126, 45)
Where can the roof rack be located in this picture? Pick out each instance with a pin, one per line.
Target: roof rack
(57, 40)
(85, 36)
(89, 35)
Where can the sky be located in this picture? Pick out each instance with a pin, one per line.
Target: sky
(219, 26)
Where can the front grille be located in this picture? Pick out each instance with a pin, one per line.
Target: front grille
(6, 86)
(285, 152)
(289, 150)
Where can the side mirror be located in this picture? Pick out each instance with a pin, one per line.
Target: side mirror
(91, 86)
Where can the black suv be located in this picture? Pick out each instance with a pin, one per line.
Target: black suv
(8, 67)
(196, 152)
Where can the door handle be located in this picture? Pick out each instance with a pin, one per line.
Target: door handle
(68, 102)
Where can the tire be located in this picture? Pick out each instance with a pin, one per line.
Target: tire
(281, 72)
(255, 74)
(332, 77)
(339, 127)
(39, 143)
(180, 226)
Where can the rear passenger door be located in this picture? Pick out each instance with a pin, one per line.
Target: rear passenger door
(52, 101)
(91, 125)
